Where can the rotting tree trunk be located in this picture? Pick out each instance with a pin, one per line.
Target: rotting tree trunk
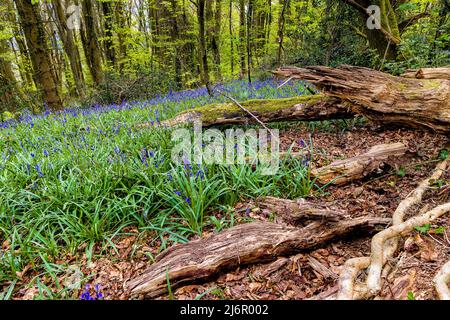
(244, 244)
(383, 98)
(311, 108)
(428, 73)
(360, 166)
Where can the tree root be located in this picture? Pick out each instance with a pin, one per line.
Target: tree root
(384, 244)
(441, 280)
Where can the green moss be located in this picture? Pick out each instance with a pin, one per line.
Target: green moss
(215, 111)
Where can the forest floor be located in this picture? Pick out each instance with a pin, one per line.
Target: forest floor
(417, 261)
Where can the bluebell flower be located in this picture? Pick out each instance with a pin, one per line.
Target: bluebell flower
(178, 193)
(46, 153)
(32, 155)
(188, 200)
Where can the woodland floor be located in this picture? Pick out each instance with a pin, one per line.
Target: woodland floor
(419, 258)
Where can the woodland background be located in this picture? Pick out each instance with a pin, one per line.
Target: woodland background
(133, 50)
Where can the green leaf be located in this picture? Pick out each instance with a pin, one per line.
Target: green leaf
(439, 230)
(401, 172)
(443, 154)
(410, 296)
(423, 229)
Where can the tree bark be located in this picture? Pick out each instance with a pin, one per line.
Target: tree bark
(242, 38)
(308, 108)
(281, 21)
(382, 98)
(428, 73)
(91, 43)
(241, 245)
(108, 27)
(355, 168)
(70, 48)
(34, 31)
(203, 57)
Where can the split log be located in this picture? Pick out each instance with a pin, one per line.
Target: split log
(360, 166)
(244, 244)
(381, 97)
(308, 108)
(428, 73)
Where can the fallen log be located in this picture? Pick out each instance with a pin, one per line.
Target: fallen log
(347, 170)
(308, 108)
(380, 97)
(292, 211)
(244, 244)
(428, 73)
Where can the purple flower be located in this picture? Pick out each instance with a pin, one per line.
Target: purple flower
(46, 153)
(32, 155)
(188, 200)
(178, 193)
(247, 212)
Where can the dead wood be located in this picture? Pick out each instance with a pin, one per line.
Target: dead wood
(360, 166)
(428, 73)
(307, 108)
(293, 211)
(244, 244)
(382, 98)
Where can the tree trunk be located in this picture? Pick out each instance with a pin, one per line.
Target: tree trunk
(242, 38)
(108, 27)
(386, 39)
(203, 57)
(281, 22)
(241, 245)
(37, 44)
(120, 13)
(70, 48)
(230, 24)
(382, 98)
(91, 43)
(249, 39)
(308, 108)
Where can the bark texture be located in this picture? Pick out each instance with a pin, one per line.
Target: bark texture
(244, 244)
(347, 170)
(381, 97)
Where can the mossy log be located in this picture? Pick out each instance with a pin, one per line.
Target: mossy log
(248, 243)
(309, 108)
(380, 97)
(347, 170)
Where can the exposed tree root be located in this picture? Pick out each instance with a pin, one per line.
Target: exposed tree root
(385, 243)
(441, 282)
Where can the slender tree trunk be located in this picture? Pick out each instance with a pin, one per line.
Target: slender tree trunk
(108, 27)
(175, 34)
(70, 47)
(121, 21)
(249, 39)
(281, 23)
(242, 38)
(90, 42)
(215, 39)
(37, 44)
(230, 17)
(204, 72)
